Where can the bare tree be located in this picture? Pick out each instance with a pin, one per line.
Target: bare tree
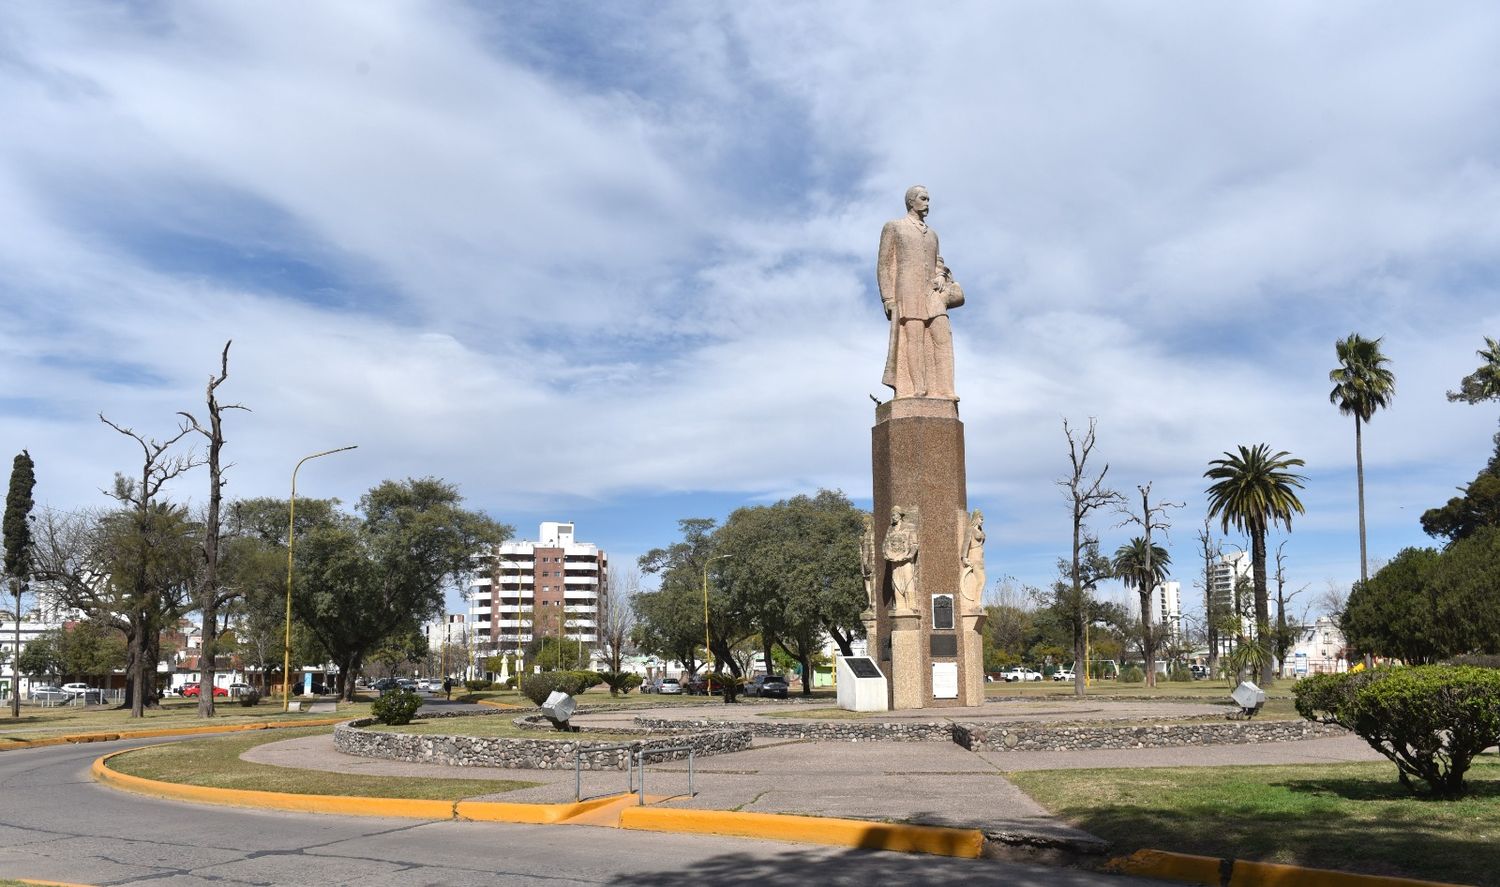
(147, 586)
(1210, 551)
(1151, 517)
(1332, 599)
(1085, 494)
(617, 614)
(207, 592)
(1283, 640)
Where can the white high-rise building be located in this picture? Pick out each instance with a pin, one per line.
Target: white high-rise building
(1231, 569)
(549, 587)
(1166, 608)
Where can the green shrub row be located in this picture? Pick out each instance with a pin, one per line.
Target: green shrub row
(537, 687)
(1429, 720)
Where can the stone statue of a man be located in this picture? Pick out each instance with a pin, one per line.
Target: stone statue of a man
(900, 552)
(917, 290)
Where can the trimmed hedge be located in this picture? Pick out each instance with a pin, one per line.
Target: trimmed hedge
(1132, 674)
(1429, 720)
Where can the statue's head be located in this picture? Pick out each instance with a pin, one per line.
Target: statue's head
(917, 199)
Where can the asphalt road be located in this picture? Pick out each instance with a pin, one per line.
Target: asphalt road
(57, 824)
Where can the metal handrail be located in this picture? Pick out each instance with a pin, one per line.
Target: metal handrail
(578, 767)
(640, 761)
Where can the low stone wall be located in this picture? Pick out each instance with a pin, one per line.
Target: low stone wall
(525, 754)
(824, 731)
(1026, 737)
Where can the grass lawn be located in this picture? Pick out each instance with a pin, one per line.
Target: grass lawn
(40, 723)
(1354, 817)
(216, 762)
(496, 725)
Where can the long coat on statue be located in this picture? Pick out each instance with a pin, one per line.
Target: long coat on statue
(905, 270)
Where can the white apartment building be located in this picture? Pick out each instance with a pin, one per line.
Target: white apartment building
(1166, 608)
(1230, 569)
(546, 588)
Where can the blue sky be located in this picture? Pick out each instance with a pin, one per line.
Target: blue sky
(613, 263)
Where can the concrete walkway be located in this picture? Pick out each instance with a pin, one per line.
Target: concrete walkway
(931, 783)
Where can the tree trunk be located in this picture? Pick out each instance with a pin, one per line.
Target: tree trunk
(1359, 472)
(807, 675)
(206, 662)
(135, 687)
(845, 641)
(1262, 599)
(15, 668)
(1148, 648)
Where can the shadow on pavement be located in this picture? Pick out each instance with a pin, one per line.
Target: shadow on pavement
(858, 868)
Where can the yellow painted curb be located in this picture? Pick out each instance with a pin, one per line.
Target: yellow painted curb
(1270, 874)
(1212, 871)
(967, 843)
(49, 883)
(1170, 866)
(351, 805)
(528, 814)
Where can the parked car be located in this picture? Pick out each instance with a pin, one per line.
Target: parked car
(407, 684)
(50, 693)
(238, 690)
(193, 691)
(1018, 673)
(385, 685)
(767, 685)
(670, 686)
(83, 691)
(425, 684)
(1063, 674)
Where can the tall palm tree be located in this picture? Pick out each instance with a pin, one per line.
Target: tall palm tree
(1254, 491)
(1361, 385)
(1143, 565)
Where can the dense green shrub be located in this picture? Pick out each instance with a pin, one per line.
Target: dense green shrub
(1132, 674)
(510, 683)
(396, 707)
(474, 686)
(537, 687)
(1180, 674)
(1430, 720)
(620, 681)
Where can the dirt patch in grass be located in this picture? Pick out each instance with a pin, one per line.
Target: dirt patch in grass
(1353, 817)
(216, 763)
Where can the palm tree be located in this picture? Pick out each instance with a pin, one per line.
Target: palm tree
(1361, 385)
(1254, 491)
(1142, 564)
(1484, 383)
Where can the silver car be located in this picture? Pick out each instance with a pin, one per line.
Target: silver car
(670, 686)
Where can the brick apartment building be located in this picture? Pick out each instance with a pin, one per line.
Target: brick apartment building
(552, 586)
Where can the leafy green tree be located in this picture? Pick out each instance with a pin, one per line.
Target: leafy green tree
(1395, 613)
(43, 656)
(1479, 506)
(406, 647)
(1484, 383)
(791, 571)
(18, 549)
(1253, 491)
(364, 578)
(1362, 384)
(1143, 565)
(669, 621)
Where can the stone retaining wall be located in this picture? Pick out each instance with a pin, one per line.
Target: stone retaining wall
(1024, 737)
(825, 731)
(525, 754)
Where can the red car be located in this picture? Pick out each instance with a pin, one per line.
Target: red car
(191, 691)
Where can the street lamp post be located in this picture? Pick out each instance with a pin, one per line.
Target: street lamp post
(291, 537)
(707, 649)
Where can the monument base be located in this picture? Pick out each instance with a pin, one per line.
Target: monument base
(861, 686)
(917, 450)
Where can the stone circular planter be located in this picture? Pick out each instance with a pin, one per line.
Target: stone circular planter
(527, 754)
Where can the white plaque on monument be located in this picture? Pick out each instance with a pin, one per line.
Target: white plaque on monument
(945, 680)
(861, 686)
